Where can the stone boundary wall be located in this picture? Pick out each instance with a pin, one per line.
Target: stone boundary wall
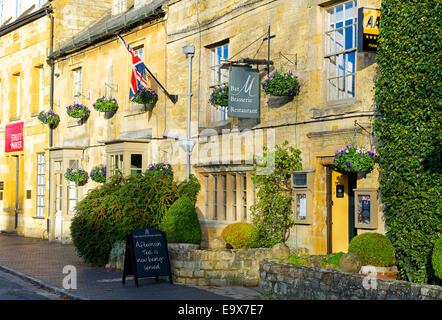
(220, 267)
(287, 281)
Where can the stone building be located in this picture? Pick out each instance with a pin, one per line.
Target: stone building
(314, 39)
(29, 29)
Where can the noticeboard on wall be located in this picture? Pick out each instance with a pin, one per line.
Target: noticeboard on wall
(366, 208)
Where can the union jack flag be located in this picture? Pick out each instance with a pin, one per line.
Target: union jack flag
(138, 76)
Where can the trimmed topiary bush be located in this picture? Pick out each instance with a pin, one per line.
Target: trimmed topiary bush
(436, 258)
(181, 223)
(189, 188)
(241, 235)
(373, 249)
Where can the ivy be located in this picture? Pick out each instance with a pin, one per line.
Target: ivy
(272, 212)
(408, 99)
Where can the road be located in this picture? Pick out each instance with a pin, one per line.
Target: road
(15, 288)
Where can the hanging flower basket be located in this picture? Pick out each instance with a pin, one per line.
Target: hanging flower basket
(146, 96)
(354, 159)
(105, 104)
(98, 174)
(282, 84)
(78, 111)
(220, 96)
(78, 176)
(50, 118)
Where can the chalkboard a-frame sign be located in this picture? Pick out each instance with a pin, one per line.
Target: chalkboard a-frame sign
(146, 255)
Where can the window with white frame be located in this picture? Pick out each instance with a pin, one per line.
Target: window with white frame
(219, 76)
(41, 168)
(340, 50)
(2, 12)
(116, 163)
(40, 89)
(139, 51)
(72, 188)
(77, 85)
(18, 8)
(18, 95)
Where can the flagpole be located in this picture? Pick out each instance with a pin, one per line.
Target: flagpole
(172, 97)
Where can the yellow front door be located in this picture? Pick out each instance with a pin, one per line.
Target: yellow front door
(339, 216)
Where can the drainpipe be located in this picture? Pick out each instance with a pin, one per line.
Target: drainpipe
(189, 50)
(51, 62)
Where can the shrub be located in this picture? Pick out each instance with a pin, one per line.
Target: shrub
(105, 104)
(189, 188)
(436, 258)
(407, 125)
(161, 169)
(282, 84)
(181, 223)
(120, 206)
(220, 96)
(272, 211)
(373, 249)
(241, 235)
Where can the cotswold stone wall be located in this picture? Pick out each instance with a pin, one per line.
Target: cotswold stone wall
(283, 280)
(227, 267)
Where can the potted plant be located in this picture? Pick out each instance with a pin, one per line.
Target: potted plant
(78, 111)
(107, 105)
(79, 176)
(282, 87)
(220, 96)
(376, 253)
(98, 174)
(352, 158)
(49, 117)
(146, 96)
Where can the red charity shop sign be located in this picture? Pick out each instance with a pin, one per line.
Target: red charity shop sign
(14, 137)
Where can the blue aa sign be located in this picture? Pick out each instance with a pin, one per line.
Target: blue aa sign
(244, 92)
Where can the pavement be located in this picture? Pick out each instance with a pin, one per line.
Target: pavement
(42, 263)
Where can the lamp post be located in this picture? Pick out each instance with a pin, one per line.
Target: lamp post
(188, 145)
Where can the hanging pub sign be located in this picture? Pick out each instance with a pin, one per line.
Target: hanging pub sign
(146, 255)
(14, 137)
(244, 92)
(368, 29)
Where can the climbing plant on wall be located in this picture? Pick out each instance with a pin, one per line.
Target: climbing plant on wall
(408, 99)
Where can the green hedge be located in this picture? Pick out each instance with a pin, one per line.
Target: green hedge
(408, 99)
(374, 249)
(181, 223)
(241, 235)
(436, 258)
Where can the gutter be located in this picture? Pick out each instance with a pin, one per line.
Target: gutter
(25, 20)
(51, 62)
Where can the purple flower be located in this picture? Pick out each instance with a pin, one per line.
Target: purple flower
(347, 163)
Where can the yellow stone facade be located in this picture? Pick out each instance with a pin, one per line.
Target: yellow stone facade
(25, 79)
(224, 150)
